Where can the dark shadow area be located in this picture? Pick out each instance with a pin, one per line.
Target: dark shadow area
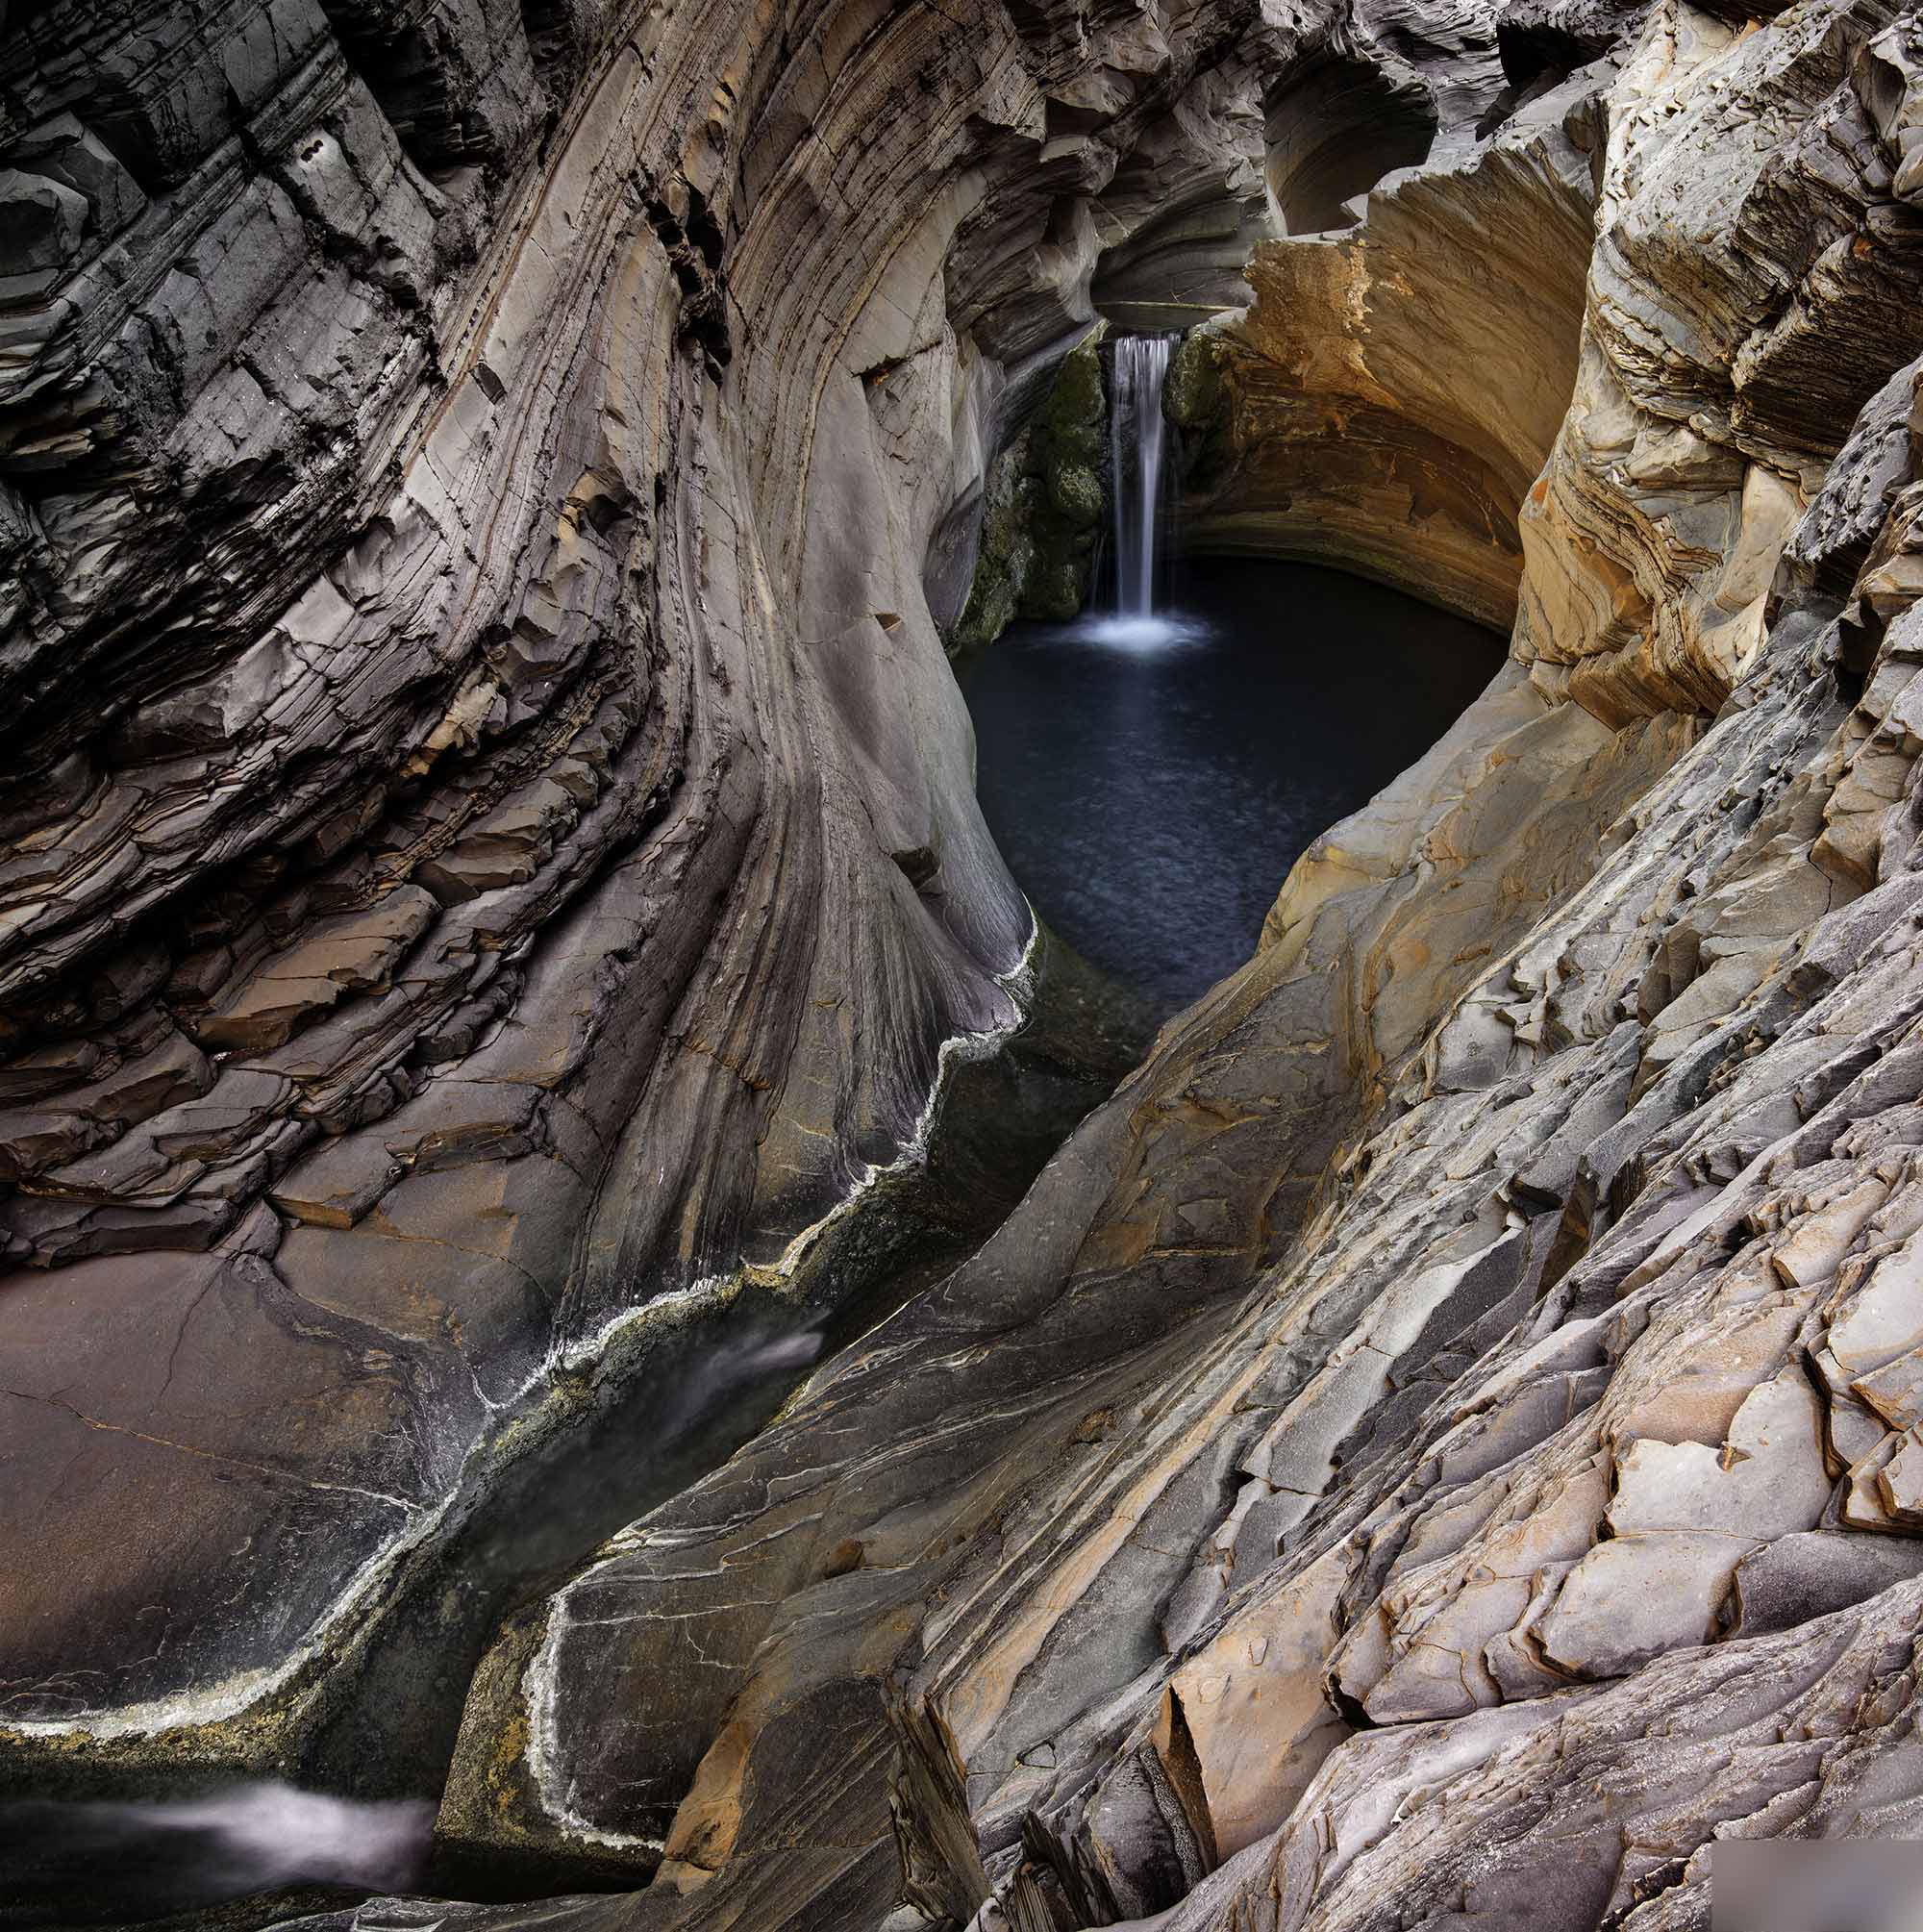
(1183, 265)
(356, 1815)
(1336, 127)
(1534, 60)
(1151, 800)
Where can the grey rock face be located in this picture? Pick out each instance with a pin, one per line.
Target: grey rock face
(1443, 1442)
(491, 861)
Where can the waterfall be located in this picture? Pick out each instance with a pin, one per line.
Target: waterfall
(1136, 433)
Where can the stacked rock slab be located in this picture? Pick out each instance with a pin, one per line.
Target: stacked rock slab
(1441, 1445)
(490, 852)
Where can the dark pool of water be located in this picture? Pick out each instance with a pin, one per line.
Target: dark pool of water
(1151, 795)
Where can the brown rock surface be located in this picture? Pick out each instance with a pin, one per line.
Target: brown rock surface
(492, 852)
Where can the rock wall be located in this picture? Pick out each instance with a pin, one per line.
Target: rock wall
(492, 856)
(1392, 392)
(1437, 1443)
(1440, 1442)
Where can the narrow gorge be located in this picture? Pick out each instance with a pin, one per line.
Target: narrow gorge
(651, 1279)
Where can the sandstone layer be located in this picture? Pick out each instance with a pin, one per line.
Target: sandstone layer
(491, 853)
(1392, 392)
(1446, 1419)
(1442, 1444)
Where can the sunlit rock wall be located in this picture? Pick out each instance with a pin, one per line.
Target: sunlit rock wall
(1440, 1442)
(1709, 406)
(1394, 388)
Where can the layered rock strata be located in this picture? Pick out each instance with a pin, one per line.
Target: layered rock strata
(1441, 1443)
(1448, 1419)
(491, 857)
(1390, 396)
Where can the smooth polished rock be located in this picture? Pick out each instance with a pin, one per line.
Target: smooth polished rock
(491, 861)
(1439, 1441)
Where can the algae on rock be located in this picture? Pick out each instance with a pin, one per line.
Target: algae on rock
(1196, 401)
(1046, 497)
(1005, 558)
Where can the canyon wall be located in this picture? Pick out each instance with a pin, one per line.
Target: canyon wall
(1436, 1446)
(1392, 392)
(491, 861)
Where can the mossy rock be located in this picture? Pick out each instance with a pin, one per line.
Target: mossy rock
(1076, 491)
(1058, 576)
(1070, 452)
(1056, 588)
(1192, 394)
(1197, 398)
(1006, 552)
(1075, 419)
(996, 596)
(992, 601)
(1046, 497)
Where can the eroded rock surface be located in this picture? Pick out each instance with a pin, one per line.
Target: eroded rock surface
(490, 843)
(1448, 1418)
(1445, 1443)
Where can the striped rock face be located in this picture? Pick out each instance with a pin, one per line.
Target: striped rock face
(492, 869)
(494, 884)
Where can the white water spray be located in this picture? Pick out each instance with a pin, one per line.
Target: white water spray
(222, 1845)
(1137, 435)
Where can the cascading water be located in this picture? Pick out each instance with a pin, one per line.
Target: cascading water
(1137, 434)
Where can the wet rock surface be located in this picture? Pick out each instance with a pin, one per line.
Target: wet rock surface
(494, 849)
(1045, 498)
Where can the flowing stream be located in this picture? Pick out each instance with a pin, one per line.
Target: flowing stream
(356, 1817)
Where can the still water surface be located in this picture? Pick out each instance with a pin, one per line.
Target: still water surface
(1151, 782)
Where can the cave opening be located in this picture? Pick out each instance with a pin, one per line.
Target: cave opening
(1334, 128)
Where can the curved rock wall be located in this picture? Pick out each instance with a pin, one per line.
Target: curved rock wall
(1392, 392)
(1705, 417)
(491, 844)
(1438, 1442)
(1337, 125)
